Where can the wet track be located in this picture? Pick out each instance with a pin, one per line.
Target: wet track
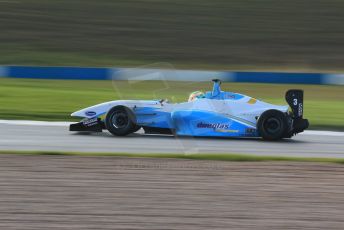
(56, 137)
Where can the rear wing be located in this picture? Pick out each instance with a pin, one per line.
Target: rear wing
(294, 97)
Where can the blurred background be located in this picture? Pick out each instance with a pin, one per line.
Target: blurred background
(244, 35)
(43, 189)
(220, 34)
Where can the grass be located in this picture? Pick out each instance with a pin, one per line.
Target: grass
(56, 99)
(201, 34)
(198, 156)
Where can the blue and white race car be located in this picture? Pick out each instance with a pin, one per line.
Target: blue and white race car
(213, 114)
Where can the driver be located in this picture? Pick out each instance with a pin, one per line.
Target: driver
(196, 95)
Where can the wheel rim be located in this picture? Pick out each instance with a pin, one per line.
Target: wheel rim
(119, 120)
(272, 125)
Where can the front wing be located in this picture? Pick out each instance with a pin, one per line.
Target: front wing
(88, 125)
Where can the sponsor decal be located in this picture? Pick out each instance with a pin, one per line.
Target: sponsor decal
(90, 122)
(212, 125)
(231, 96)
(300, 110)
(90, 113)
(227, 131)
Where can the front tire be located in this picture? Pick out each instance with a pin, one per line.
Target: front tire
(120, 121)
(272, 125)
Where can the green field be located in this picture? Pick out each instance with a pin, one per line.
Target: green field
(56, 99)
(303, 35)
(296, 35)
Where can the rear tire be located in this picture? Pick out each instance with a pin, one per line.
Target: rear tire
(120, 121)
(272, 125)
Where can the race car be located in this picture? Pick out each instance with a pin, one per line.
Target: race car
(212, 114)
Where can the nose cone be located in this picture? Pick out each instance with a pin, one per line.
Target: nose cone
(80, 113)
(88, 112)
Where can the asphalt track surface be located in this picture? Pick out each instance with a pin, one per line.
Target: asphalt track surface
(79, 192)
(54, 136)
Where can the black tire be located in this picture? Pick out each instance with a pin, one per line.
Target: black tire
(120, 121)
(272, 125)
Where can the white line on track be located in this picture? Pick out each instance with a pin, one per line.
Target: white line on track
(65, 124)
(323, 133)
(35, 123)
